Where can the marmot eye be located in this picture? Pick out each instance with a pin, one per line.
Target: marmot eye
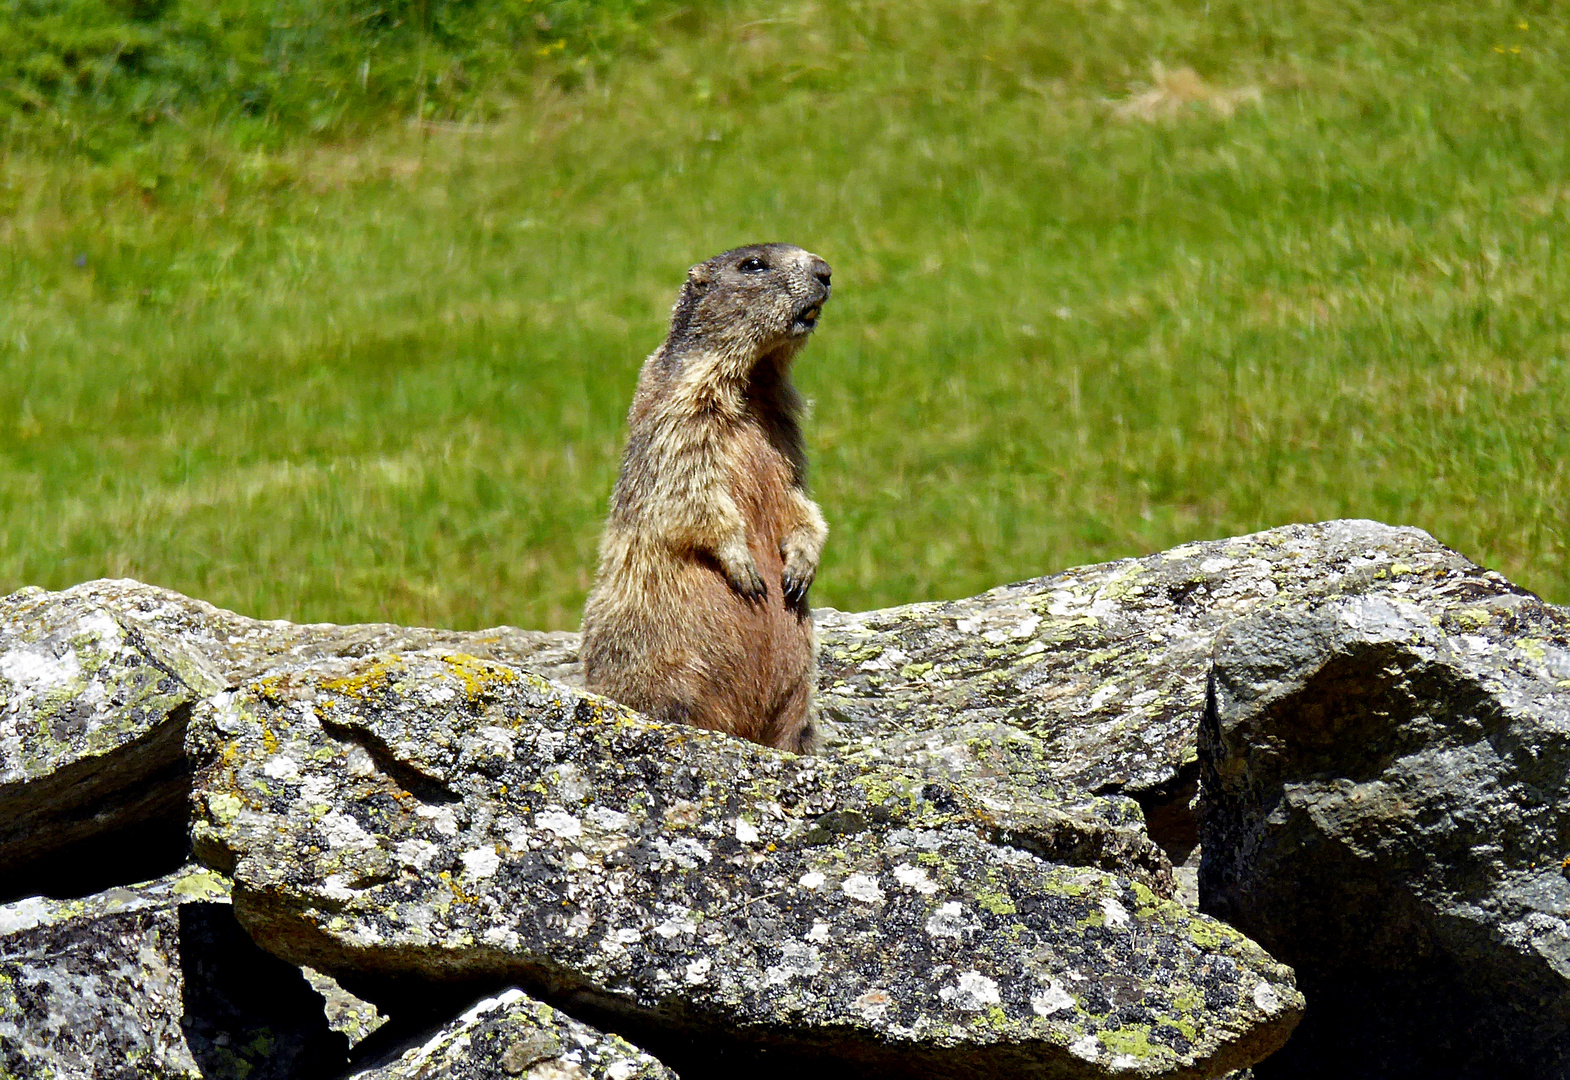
(752, 265)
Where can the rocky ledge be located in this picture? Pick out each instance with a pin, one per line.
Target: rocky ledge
(424, 853)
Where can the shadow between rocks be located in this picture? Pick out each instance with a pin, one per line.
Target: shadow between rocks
(248, 1015)
(128, 855)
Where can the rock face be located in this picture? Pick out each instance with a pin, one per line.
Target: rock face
(964, 884)
(1387, 785)
(1104, 666)
(432, 815)
(96, 685)
(92, 721)
(153, 981)
(513, 1035)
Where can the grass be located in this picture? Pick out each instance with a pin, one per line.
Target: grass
(1109, 277)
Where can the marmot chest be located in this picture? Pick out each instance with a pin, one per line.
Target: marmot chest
(762, 479)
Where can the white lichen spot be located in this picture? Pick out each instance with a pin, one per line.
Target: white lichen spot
(698, 970)
(500, 935)
(947, 922)
(33, 671)
(811, 880)
(1215, 566)
(336, 886)
(416, 853)
(915, 877)
(281, 767)
(891, 659)
(797, 960)
(972, 992)
(441, 817)
(341, 830)
(1116, 914)
(607, 820)
(819, 932)
(559, 822)
(498, 740)
(1266, 998)
(862, 887)
(685, 852)
(578, 861)
(1124, 1061)
(481, 862)
(746, 832)
(1053, 999)
(622, 1070)
(680, 921)
(23, 915)
(1087, 1048)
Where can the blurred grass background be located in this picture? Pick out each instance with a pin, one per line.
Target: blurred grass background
(332, 310)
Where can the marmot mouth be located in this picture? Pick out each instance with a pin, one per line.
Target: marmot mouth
(807, 318)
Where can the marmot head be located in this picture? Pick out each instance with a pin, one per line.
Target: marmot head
(750, 302)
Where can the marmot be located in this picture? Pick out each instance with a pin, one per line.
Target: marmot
(699, 611)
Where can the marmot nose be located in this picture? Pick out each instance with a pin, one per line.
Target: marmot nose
(820, 270)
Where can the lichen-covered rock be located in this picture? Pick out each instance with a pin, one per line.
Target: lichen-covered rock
(92, 721)
(96, 683)
(513, 1035)
(1103, 665)
(237, 648)
(153, 981)
(431, 814)
(1387, 807)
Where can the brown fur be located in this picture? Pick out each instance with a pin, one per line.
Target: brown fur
(699, 612)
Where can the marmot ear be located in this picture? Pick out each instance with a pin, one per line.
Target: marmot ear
(699, 277)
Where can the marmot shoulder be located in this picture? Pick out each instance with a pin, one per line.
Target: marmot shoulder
(699, 611)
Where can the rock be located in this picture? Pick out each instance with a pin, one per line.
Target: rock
(1104, 665)
(1387, 784)
(154, 981)
(96, 684)
(435, 816)
(92, 722)
(513, 1035)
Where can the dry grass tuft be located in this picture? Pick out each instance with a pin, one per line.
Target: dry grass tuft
(1176, 91)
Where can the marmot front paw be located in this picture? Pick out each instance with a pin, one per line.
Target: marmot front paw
(746, 580)
(796, 580)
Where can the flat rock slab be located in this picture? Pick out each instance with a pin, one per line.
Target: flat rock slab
(437, 816)
(1388, 807)
(92, 722)
(512, 1036)
(154, 981)
(1104, 665)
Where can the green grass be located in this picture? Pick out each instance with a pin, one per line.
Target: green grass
(382, 374)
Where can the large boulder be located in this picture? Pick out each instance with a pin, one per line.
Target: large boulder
(435, 817)
(155, 981)
(1387, 807)
(96, 686)
(1103, 666)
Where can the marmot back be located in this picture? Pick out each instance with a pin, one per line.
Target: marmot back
(699, 611)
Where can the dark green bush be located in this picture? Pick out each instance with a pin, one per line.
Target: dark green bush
(97, 71)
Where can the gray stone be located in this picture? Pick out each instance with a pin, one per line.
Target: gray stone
(433, 815)
(96, 684)
(153, 981)
(1104, 665)
(1387, 783)
(92, 721)
(513, 1035)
